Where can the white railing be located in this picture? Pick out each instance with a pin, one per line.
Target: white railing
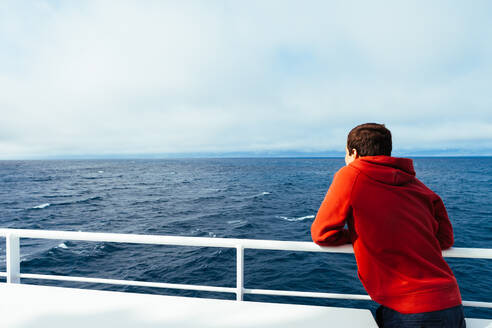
(14, 275)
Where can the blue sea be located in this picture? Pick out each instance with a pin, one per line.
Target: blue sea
(257, 198)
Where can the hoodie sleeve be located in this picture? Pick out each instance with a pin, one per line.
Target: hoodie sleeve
(328, 226)
(445, 230)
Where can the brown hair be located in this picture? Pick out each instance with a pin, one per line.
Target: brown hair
(370, 139)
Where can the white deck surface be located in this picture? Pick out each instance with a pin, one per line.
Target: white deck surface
(478, 323)
(23, 306)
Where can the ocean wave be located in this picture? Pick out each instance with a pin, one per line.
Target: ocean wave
(42, 179)
(212, 189)
(80, 201)
(209, 198)
(68, 202)
(68, 251)
(201, 233)
(302, 218)
(235, 221)
(240, 224)
(242, 196)
(58, 196)
(41, 206)
(150, 201)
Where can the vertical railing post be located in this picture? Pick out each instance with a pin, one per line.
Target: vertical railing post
(13, 259)
(240, 272)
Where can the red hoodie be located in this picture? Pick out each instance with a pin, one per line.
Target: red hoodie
(398, 228)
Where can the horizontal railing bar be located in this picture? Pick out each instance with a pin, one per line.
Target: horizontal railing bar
(478, 304)
(219, 289)
(128, 282)
(176, 240)
(463, 252)
(306, 294)
(479, 253)
(338, 296)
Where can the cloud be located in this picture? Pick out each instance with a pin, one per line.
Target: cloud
(101, 77)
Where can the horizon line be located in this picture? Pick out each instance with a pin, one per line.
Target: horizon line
(226, 156)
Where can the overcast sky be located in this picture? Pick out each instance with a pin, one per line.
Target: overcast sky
(143, 77)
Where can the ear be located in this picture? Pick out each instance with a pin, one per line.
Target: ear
(354, 153)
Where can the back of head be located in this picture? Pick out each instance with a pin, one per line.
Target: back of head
(370, 139)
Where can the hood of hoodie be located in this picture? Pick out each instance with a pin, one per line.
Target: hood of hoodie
(386, 169)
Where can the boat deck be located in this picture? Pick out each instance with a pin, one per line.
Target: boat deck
(27, 306)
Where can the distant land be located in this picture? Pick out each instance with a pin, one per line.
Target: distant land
(264, 154)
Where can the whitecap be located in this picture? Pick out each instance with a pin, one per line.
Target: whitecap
(100, 171)
(264, 193)
(197, 231)
(42, 205)
(302, 218)
(238, 223)
(213, 189)
(62, 245)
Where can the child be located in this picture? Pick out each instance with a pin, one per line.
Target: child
(398, 228)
